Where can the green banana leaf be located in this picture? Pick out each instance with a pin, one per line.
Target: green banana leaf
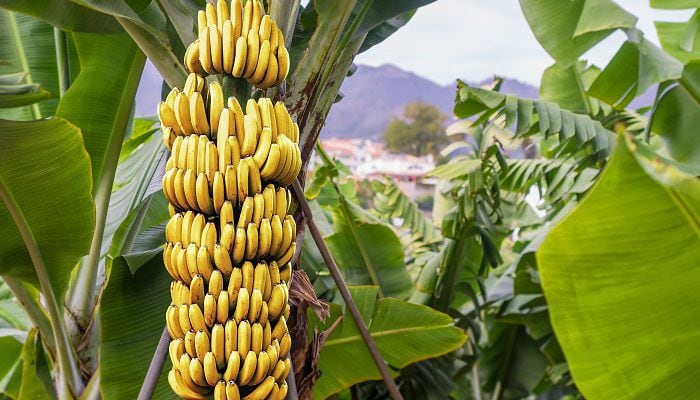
(14, 93)
(567, 29)
(10, 365)
(673, 4)
(45, 184)
(620, 275)
(132, 320)
(636, 66)
(677, 116)
(37, 40)
(101, 99)
(395, 326)
(36, 376)
(561, 85)
(65, 15)
(674, 38)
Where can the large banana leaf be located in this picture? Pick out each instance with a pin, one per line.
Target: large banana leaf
(132, 319)
(620, 275)
(101, 99)
(45, 184)
(395, 326)
(36, 376)
(64, 14)
(10, 365)
(567, 29)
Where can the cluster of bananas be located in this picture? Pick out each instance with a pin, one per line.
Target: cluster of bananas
(241, 42)
(229, 241)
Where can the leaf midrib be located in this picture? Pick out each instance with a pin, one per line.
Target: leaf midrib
(389, 332)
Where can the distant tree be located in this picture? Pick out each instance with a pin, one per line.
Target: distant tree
(420, 132)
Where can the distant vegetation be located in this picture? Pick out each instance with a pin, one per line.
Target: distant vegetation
(420, 132)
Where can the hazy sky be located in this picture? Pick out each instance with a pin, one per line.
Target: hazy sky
(473, 39)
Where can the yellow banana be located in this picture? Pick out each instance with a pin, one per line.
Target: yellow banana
(238, 115)
(261, 67)
(222, 13)
(197, 290)
(190, 343)
(205, 56)
(196, 372)
(283, 119)
(228, 42)
(201, 344)
(283, 391)
(238, 251)
(248, 368)
(274, 273)
(264, 314)
(191, 59)
(256, 340)
(230, 182)
(226, 217)
(250, 139)
(216, 283)
(276, 304)
(223, 131)
(253, 53)
(265, 28)
(271, 75)
(200, 162)
(234, 286)
(274, 393)
(256, 17)
(186, 389)
(236, 17)
(190, 188)
(247, 17)
(204, 266)
(277, 233)
(262, 390)
(179, 182)
(218, 344)
(243, 338)
(287, 237)
(191, 260)
(255, 305)
(212, 160)
(192, 152)
(231, 337)
(278, 371)
(203, 198)
(173, 322)
(272, 163)
(196, 318)
(251, 246)
(196, 228)
(264, 238)
(235, 149)
(242, 179)
(269, 201)
(176, 348)
(217, 53)
(209, 238)
(167, 256)
(263, 149)
(182, 153)
(201, 21)
(272, 353)
(216, 106)
(254, 177)
(190, 85)
(286, 273)
(166, 115)
(184, 317)
(222, 307)
(247, 211)
(210, 371)
(181, 260)
(280, 329)
(275, 37)
(267, 334)
(198, 114)
(220, 390)
(287, 256)
(240, 57)
(222, 259)
(209, 310)
(232, 392)
(218, 191)
(283, 65)
(262, 368)
(258, 208)
(259, 276)
(242, 305)
(285, 345)
(210, 11)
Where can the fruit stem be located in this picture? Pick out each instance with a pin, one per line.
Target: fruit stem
(345, 292)
(236, 87)
(157, 362)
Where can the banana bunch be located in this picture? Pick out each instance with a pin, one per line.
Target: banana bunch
(230, 238)
(239, 41)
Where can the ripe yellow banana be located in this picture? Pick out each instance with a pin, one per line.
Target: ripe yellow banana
(224, 129)
(263, 150)
(239, 244)
(247, 17)
(248, 368)
(216, 283)
(217, 346)
(261, 66)
(276, 304)
(222, 259)
(205, 56)
(204, 200)
(277, 234)
(287, 256)
(269, 195)
(251, 246)
(191, 59)
(244, 338)
(272, 163)
(286, 273)
(233, 365)
(209, 310)
(196, 228)
(240, 57)
(181, 261)
(190, 188)
(210, 371)
(196, 318)
(262, 390)
(256, 302)
(198, 114)
(197, 290)
(222, 13)
(249, 141)
(217, 53)
(264, 238)
(283, 391)
(210, 11)
(167, 255)
(280, 329)
(234, 286)
(196, 372)
(173, 322)
(246, 213)
(231, 336)
(271, 75)
(209, 238)
(274, 273)
(167, 118)
(201, 344)
(228, 42)
(190, 343)
(222, 307)
(259, 276)
(204, 266)
(232, 392)
(226, 217)
(264, 314)
(186, 226)
(212, 160)
(218, 191)
(200, 159)
(191, 260)
(285, 345)
(242, 305)
(242, 178)
(257, 16)
(230, 182)
(258, 208)
(256, 341)
(184, 317)
(179, 183)
(176, 349)
(216, 106)
(253, 53)
(267, 335)
(265, 28)
(254, 177)
(220, 390)
(262, 368)
(273, 355)
(283, 65)
(235, 149)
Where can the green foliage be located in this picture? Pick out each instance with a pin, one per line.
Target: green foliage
(395, 326)
(622, 255)
(420, 132)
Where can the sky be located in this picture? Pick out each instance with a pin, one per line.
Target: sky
(475, 39)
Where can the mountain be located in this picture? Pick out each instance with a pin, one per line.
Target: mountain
(375, 95)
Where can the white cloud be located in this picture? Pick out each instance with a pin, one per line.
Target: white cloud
(474, 39)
